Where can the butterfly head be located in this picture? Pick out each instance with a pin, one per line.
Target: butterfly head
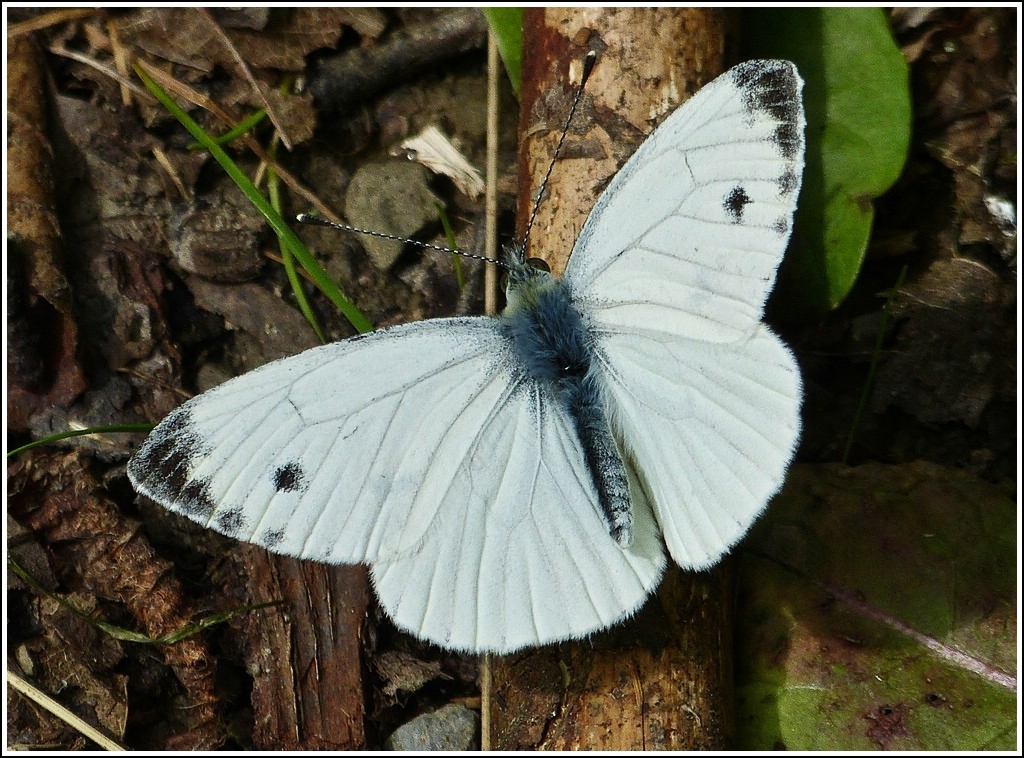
(526, 279)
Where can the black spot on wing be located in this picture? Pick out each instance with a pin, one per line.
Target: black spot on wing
(289, 478)
(772, 88)
(195, 500)
(271, 539)
(781, 226)
(735, 202)
(231, 521)
(789, 182)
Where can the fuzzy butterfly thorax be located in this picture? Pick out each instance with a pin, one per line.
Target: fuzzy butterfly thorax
(554, 347)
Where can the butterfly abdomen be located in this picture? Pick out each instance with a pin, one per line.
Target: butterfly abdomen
(554, 347)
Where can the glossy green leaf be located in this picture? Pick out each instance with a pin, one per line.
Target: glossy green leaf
(877, 610)
(857, 98)
(507, 26)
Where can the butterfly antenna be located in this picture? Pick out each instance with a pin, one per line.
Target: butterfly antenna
(307, 218)
(588, 65)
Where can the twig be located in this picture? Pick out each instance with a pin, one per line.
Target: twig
(360, 73)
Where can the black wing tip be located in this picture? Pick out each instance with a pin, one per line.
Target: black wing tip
(767, 71)
(774, 87)
(161, 468)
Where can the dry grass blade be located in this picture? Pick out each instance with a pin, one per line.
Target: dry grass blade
(50, 705)
(243, 67)
(121, 59)
(103, 69)
(47, 20)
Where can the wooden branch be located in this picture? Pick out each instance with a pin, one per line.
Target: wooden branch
(663, 680)
(305, 656)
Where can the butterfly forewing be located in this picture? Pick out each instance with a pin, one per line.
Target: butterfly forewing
(689, 234)
(339, 454)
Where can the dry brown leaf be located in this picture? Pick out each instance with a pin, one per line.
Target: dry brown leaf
(402, 672)
(40, 289)
(102, 550)
(181, 36)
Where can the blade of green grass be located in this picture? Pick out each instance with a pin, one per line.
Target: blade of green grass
(449, 235)
(274, 190)
(243, 126)
(111, 428)
(296, 247)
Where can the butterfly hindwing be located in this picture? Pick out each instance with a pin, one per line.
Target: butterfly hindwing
(520, 554)
(712, 427)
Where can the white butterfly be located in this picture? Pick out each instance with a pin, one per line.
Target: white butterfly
(515, 481)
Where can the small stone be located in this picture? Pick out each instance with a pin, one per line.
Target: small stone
(453, 727)
(391, 197)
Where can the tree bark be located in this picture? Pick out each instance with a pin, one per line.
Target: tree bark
(662, 680)
(305, 656)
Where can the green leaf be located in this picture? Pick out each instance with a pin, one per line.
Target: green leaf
(877, 609)
(507, 26)
(857, 98)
